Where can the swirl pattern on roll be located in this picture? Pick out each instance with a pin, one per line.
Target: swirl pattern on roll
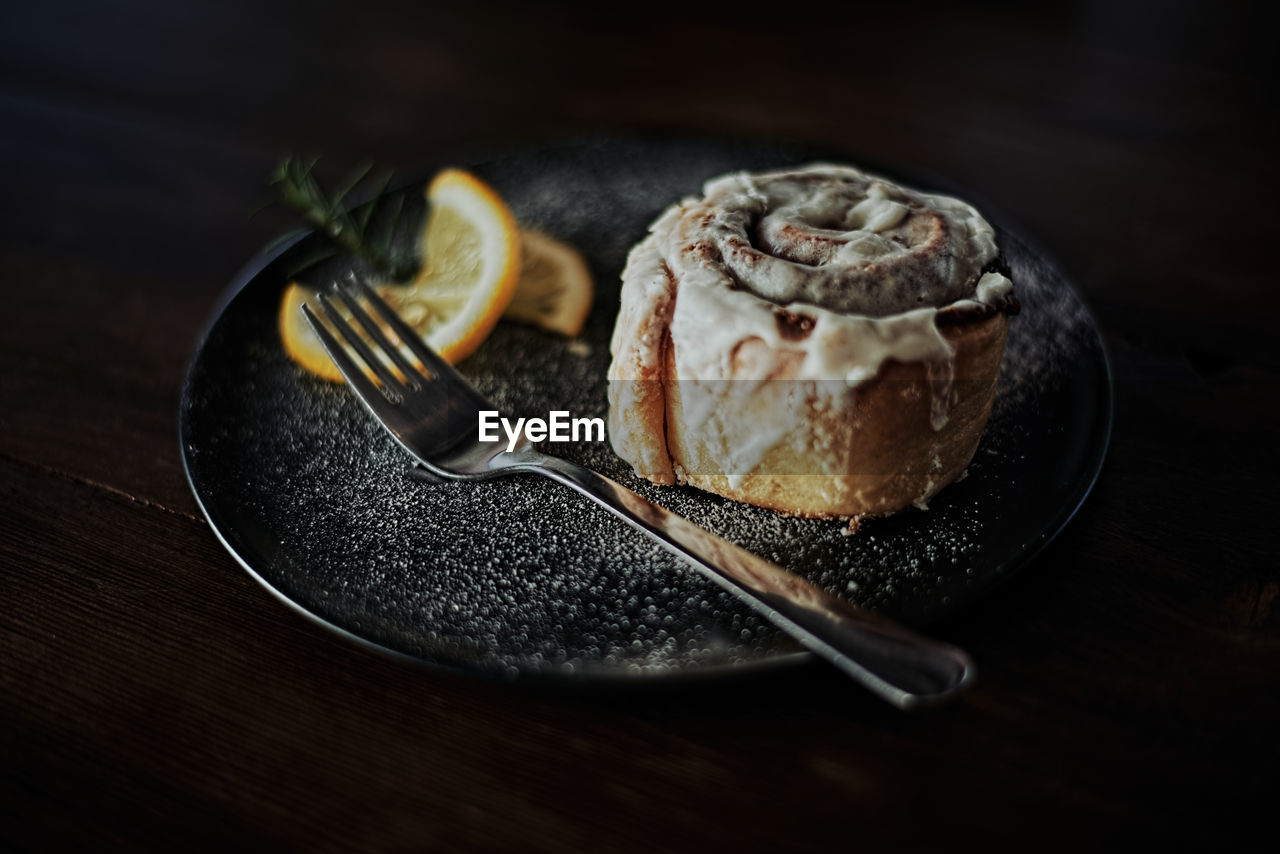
(834, 237)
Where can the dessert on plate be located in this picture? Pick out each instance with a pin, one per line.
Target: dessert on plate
(815, 340)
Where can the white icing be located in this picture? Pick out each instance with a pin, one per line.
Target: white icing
(936, 264)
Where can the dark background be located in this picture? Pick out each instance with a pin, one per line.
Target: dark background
(152, 694)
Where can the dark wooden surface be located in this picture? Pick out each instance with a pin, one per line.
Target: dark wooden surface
(151, 694)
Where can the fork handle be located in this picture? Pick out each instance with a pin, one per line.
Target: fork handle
(898, 665)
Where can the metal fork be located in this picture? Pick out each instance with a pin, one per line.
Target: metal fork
(433, 412)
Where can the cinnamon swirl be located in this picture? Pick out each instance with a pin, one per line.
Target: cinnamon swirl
(818, 340)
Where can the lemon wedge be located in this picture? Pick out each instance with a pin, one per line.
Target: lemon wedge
(468, 277)
(554, 290)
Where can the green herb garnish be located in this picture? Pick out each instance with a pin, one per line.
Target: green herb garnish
(368, 231)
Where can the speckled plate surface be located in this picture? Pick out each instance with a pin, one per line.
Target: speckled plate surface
(521, 577)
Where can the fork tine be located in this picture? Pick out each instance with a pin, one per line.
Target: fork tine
(413, 378)
(436, 365)
(364, 386)
(389, 380)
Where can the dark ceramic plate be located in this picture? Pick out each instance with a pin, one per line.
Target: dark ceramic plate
(523, 577)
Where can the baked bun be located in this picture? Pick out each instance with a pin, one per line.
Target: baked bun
(818, 341)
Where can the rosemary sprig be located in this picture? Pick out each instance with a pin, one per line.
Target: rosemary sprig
(353, 230)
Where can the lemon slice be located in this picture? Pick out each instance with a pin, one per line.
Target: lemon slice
(471, 264)
(471, 261)
(554, 290)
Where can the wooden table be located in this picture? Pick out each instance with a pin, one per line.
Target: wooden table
(152, 694)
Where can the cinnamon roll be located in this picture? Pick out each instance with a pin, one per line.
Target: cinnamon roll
(819, 341)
